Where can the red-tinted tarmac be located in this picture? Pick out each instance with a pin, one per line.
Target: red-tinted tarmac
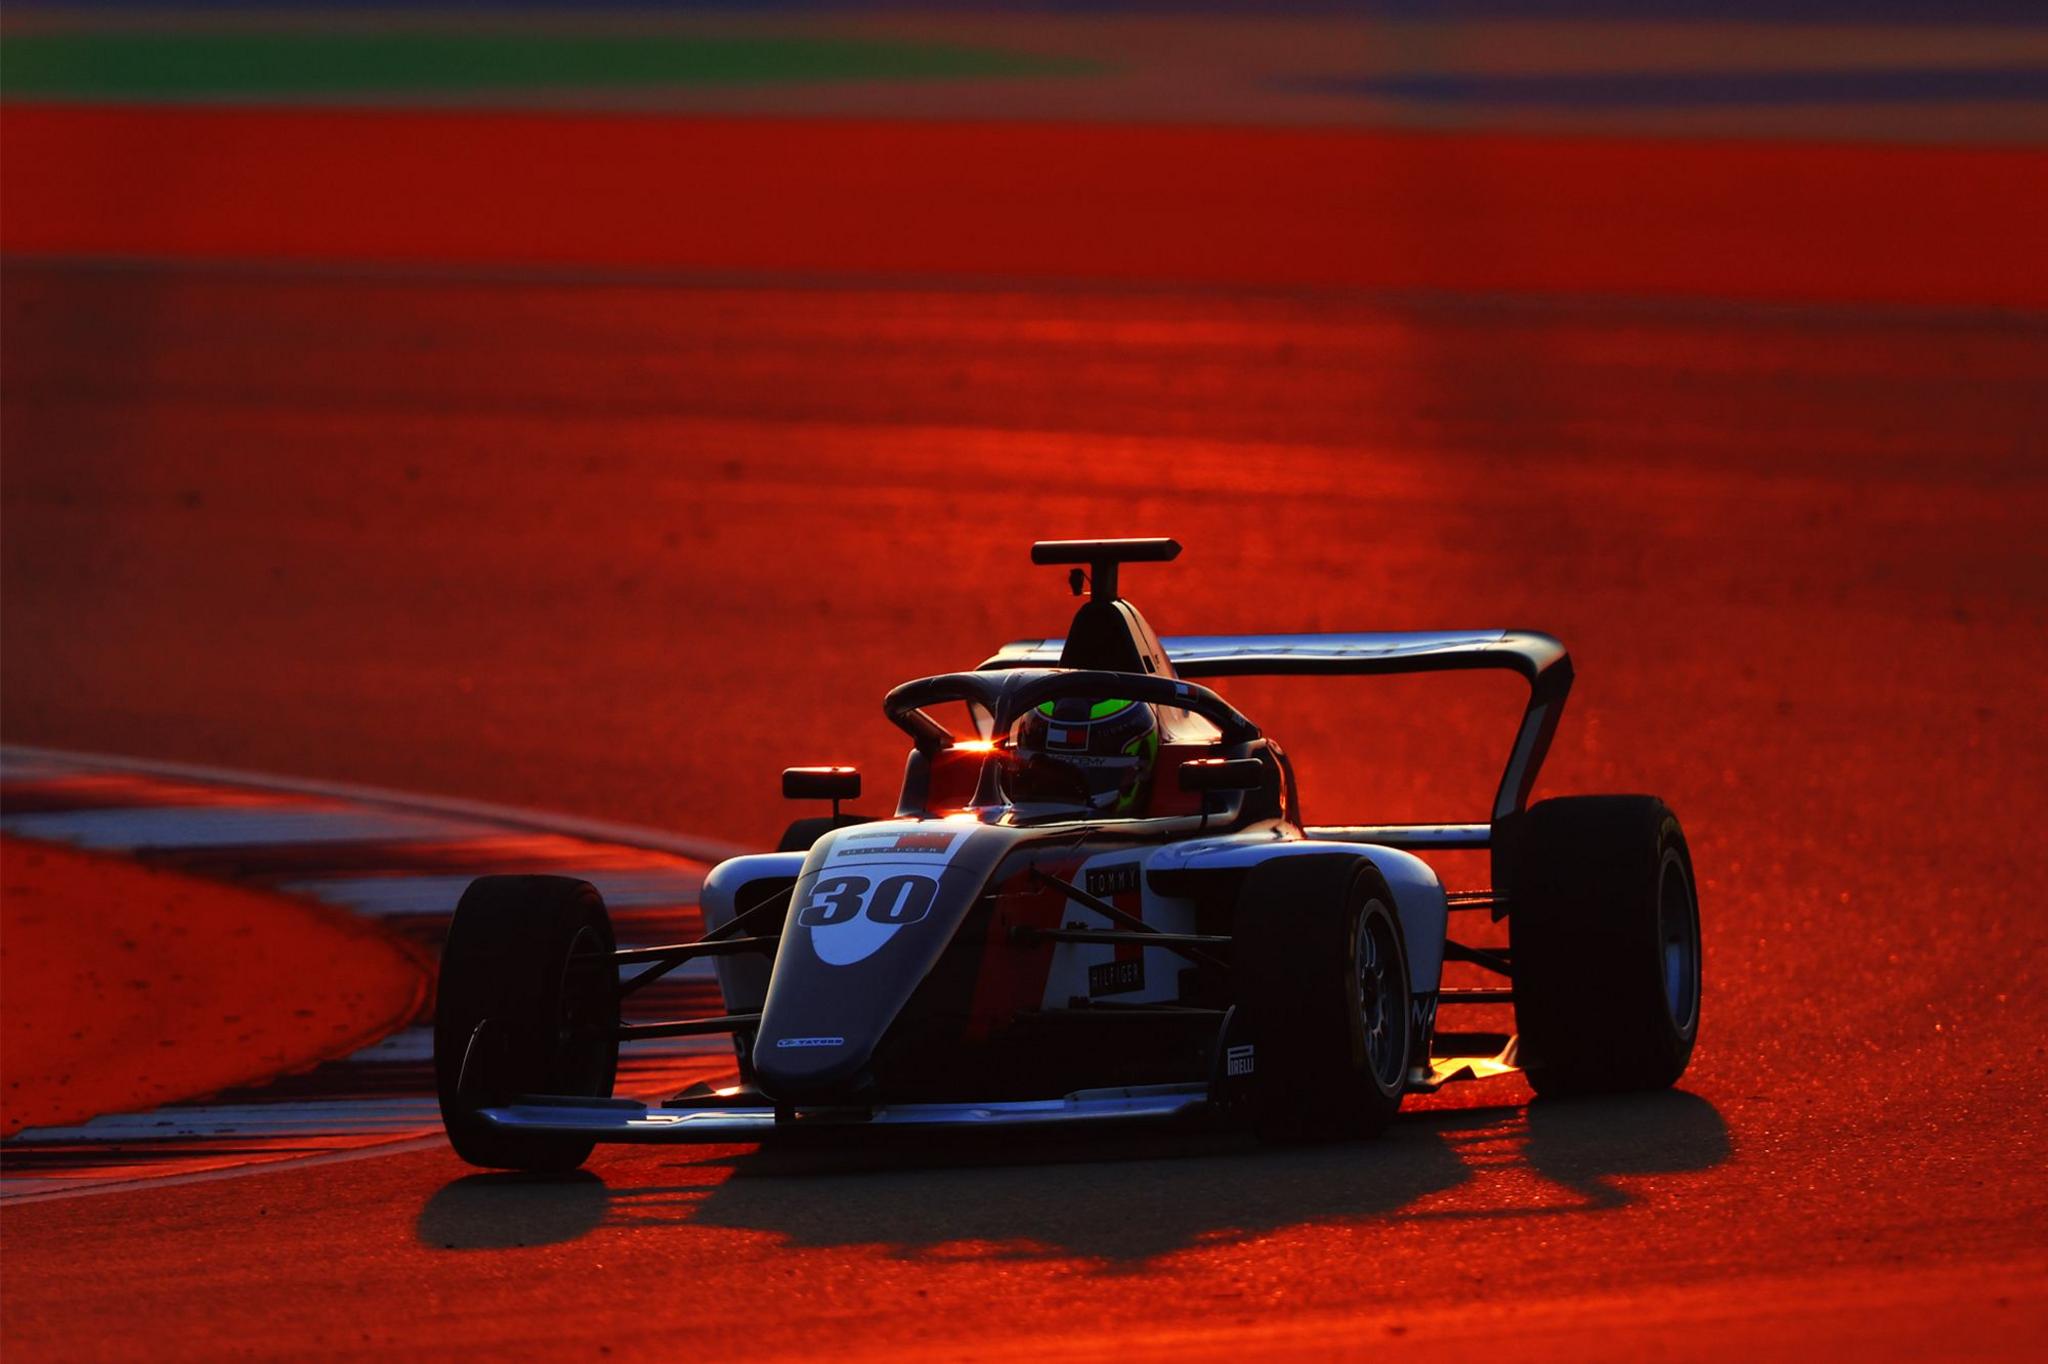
(128, 986)
(610, 462)
(628, 549)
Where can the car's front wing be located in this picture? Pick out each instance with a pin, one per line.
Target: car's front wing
(720, 1120)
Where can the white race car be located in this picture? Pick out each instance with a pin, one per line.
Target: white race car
(1095, 903)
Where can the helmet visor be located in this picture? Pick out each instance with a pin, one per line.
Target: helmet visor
(1082, 755)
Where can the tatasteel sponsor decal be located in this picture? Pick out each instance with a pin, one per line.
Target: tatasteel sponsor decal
(874, 883)
(810, 1042)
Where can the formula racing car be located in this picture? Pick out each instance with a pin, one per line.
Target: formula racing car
(1096, 903)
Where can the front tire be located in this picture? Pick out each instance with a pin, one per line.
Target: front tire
(1321, 976)
(1604, 932)
(528, 1003)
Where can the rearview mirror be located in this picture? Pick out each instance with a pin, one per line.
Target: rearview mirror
(820, 783)
(1222, 774)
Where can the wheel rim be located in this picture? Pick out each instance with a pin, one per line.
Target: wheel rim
(1381, 1014)
(1678, 937)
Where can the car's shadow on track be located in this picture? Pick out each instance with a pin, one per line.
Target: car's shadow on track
(1124, 1200)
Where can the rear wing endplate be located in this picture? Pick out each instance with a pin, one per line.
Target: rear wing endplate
(1540, 659)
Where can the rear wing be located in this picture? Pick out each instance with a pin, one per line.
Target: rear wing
(1540, 659)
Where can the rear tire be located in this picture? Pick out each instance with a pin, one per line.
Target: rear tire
(1320, 975)
(528, 1003)
(1604, 933)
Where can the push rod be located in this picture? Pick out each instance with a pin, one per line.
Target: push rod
(1121, 916)
(1496, 962)
(687, 1027)
(1024, 933)
(709, 947)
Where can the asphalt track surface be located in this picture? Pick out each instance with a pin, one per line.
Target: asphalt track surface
(626, 548)
(767, 433)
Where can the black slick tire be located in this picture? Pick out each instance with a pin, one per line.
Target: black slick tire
(527, 1003)
(1604, 933)
(1320, 978)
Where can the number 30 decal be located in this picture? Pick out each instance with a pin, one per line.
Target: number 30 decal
(839, 899)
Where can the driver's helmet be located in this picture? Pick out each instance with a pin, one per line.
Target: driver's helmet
(1077, 750)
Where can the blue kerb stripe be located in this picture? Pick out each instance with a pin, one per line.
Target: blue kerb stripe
(234, 826)
(381, 896)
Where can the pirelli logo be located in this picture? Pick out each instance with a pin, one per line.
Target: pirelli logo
(1238, 1061)
(1116, 880)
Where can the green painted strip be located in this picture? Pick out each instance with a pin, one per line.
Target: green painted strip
(171, 65)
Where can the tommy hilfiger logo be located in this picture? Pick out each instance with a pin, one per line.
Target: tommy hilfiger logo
(1117, 880)
(1116, 977)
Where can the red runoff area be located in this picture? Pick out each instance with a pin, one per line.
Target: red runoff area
(1216, 205)
(630, 550)
(129, 987)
